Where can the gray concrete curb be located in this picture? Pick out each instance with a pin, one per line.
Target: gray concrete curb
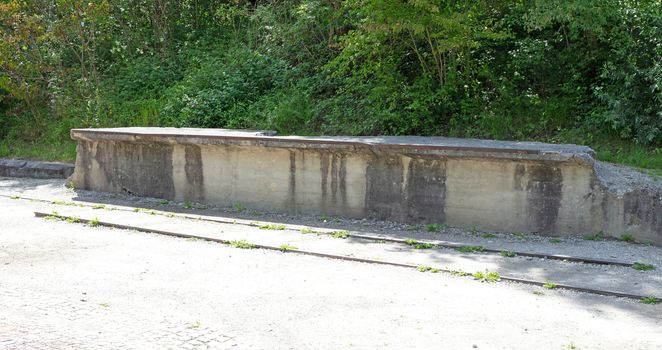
(35, 169)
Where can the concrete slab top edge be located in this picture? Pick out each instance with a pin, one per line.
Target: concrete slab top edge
(269, 138)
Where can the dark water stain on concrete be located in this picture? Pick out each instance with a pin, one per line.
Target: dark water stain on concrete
(520, 173)
(324, 171)
(333, 172)
(342, 183)
(426, 190)
(643, 209)
(194, 175)
(83, 157)
(339, 180)
(544, 194)
(139, 168)
(292, 186)
(106, 156)
(384, 195)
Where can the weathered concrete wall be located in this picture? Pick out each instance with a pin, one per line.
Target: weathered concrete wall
(35, 169)
(502, 186)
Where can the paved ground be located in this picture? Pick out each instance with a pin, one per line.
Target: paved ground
(623, 279)
(69, 286)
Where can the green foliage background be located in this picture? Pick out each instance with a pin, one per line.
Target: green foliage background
(580, 71)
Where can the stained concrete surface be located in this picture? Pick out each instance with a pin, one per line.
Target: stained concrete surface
(558, 190)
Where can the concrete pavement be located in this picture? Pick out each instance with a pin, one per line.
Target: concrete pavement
(70, 286)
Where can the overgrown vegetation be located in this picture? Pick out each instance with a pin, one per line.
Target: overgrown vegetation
(580, 71)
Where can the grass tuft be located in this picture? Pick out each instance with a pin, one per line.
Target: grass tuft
(272, 227)
(425, 268)
(242, 244)
(549, 285)
(597, 236)
(434, 227)
(419, 245)
(520, 235)
(94, 222)
(489, 277)
(470, 249)
(643, 267)
(650, 300)
(287, 247)
(340, 234)
(73, 219)
(240, 207)
(627, 237)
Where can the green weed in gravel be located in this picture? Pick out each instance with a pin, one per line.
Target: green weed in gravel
(470, 249)
(94, 222)
(340, 234)
(487, 276)
(626, 237)
(520, 235)
(425, 268)
(287, 247)
(272, 227)
(642, 267)
(73, 219)
(507, 254)
(434, 227)
(650, 300)
(240, 207)
(549, 285)
(307, 230)
(596, 236)
(242, 244)
(418, 245)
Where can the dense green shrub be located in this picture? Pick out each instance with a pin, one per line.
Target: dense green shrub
(583, 71)
(217, 93)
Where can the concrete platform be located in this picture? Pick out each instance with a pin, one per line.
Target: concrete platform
(493, 185)
(35, 169)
